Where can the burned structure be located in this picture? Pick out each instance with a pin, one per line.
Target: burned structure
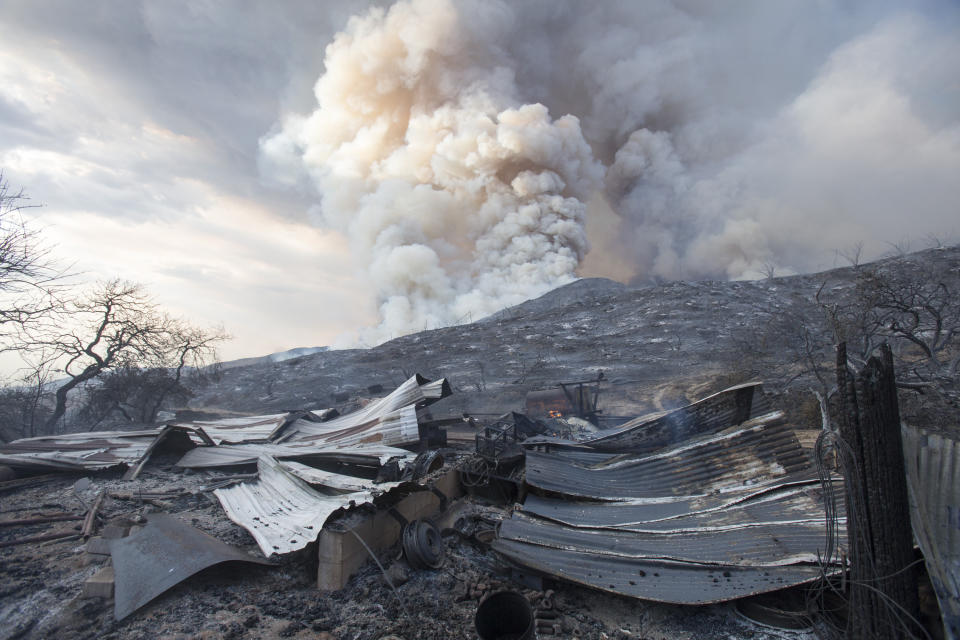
(718, 500)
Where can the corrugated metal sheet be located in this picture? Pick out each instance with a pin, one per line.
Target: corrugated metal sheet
(713, 518)
(391, 420)
(774, 503)
(657, 580)
(88, 451)
(740, 459)
(933, 478)
(757, 544)
(711, 414)
(338, 481)
(282, 512)
(239, 454)
(237, 430)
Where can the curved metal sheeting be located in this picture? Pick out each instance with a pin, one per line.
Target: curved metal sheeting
(163, 554)
(779, 502)
(657, 580)
(933, 478)
(282, 512)
(753, 544)
(736, 460)
(237, 430)
(391, 420)
(228, 455)
(724, 409)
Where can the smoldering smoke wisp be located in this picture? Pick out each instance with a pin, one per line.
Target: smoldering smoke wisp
(462, 146)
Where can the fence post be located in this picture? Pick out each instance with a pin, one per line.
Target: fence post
(883, 586)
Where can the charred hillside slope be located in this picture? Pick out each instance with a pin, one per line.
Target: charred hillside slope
(656, 346)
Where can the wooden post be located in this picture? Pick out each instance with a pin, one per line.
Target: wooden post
(883, 586)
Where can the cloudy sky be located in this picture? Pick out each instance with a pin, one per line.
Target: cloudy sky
(254, 169)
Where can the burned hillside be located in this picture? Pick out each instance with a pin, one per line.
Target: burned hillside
(657, 346)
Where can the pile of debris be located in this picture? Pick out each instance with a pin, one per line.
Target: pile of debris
(715, 501)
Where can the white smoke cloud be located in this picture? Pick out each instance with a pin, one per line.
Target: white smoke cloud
(460, 198)
(720, 139)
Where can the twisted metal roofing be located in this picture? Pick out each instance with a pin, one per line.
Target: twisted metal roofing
(736, 460)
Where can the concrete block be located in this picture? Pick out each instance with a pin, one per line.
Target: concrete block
(98, 546)
(340, 554)
(114, 531)
(99, 585)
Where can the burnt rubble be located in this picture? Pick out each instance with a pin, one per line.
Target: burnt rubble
(385, 522)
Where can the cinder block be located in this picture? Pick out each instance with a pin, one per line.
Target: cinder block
(99, 585)
(98, 546)
(114, 531)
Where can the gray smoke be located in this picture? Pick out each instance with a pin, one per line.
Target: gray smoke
(463, 147)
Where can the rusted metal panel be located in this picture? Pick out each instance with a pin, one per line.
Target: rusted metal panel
(933, 479)
(161, 555)
(755, 454)
(724, 409)
(657, 580)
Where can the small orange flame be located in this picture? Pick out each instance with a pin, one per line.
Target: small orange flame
(553, 413)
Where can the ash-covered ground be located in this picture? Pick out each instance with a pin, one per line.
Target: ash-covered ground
(41, 592)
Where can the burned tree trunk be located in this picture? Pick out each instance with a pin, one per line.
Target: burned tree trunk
(883, 592)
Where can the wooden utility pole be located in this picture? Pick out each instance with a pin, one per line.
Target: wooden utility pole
(883, 585)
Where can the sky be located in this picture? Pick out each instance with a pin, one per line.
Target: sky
(311, 173)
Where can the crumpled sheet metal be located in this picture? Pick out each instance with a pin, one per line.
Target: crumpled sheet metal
(716, 517)
(391, 420)
(714, 413)
(760, 544)
(281, 511)
(742, 458)
(657, 580)
(786, 500)
(238, 430)
(228, 455)
(161, 555)
(89, 451)
(932, 463)
(338, 481)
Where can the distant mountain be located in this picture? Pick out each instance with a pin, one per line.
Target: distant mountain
(273, 357)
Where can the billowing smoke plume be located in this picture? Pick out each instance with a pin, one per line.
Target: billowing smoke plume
(457, 144)
(461, 198)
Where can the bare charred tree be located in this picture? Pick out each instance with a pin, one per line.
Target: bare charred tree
(910, 303)
(29, 278)
(117, 327)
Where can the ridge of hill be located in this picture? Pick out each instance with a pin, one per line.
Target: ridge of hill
(657, 346)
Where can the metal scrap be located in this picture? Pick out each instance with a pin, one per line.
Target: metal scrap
(391, 420)
(161, 555)
(718, 515)
(735, 460)
(281, 511)
(93, 450)
(237, 430)
(932, 463)
(241, 454)
(711, 414)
